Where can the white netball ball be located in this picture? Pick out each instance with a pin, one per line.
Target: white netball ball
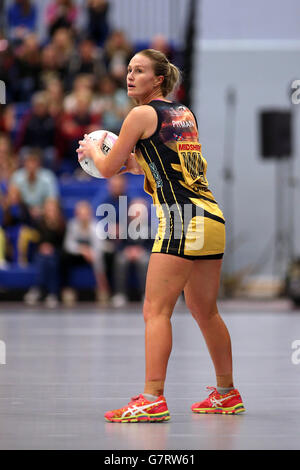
(87, 163)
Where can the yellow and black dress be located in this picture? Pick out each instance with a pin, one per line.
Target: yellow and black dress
(191, 224)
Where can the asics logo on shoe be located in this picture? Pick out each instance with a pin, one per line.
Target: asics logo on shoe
(134, 410)
(218, 402)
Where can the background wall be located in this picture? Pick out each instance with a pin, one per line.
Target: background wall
(261, 79)
(254, 48)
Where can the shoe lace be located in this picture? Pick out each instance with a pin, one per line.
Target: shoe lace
(136, 398)
(214, 391)
(214, 401)
(140, 399)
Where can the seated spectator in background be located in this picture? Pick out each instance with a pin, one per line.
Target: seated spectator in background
(117, 53)
(83, 82)
(97, 26)
(51, 229)
(3, 261)
(21, 19)
(64, 48)
(8, 121)
(50, 64)
(60, 13)
(8, 162)
(116, 187)
(112, 103)
(55, 92)
(16, 218)
(73, 127)
(24, 76)
(88, 60)
(133, 252)
(82, 247)
(36, 184)
(38, 129)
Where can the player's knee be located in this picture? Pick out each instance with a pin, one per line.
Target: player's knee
(155, 308)
(202, 313)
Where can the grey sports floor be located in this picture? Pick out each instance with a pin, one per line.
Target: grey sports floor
(65, 368)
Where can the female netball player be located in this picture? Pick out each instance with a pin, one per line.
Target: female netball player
(189, 246)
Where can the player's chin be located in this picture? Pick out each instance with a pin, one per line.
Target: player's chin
(131, 92)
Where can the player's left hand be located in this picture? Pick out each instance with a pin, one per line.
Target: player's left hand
(90, 148)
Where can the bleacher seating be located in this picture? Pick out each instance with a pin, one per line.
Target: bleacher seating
(71, 191)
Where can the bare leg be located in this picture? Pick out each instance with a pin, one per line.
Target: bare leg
(201, 293)
(166, 278)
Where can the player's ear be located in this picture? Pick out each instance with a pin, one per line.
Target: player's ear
(159, 79)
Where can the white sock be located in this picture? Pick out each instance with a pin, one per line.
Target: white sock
(224, 390)
(150, 397)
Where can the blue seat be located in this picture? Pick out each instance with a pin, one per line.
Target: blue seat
(18, 277)
(82, 277)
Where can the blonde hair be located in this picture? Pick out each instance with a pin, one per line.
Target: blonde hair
(162, 66)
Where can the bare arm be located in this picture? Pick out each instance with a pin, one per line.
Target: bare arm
(136, 125)
(131, 166)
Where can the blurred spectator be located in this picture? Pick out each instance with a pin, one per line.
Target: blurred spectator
(21, 19)
(24, 76)
(8, 165)
(113, 103)
(8, 162)
(73, 127)
(35, 184)
(116, 187)
(50, 64)
(38, 129)
(55, 92)
(64, 49)
(8, 121)
(82, 247)
(117, 53)
(3, 262)
(97, 27)
(133, 252)
(83, 82)
(16, 218)
(51, 230)
(60, 14)
(88, 60)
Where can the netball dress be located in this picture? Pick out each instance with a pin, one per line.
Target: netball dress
(191, 224)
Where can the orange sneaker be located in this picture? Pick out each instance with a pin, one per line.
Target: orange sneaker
(140, 410)
(230, 403)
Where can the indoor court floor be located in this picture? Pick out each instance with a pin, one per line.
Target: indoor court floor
(65, 368)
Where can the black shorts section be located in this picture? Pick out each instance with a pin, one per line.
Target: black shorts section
(192, 258)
